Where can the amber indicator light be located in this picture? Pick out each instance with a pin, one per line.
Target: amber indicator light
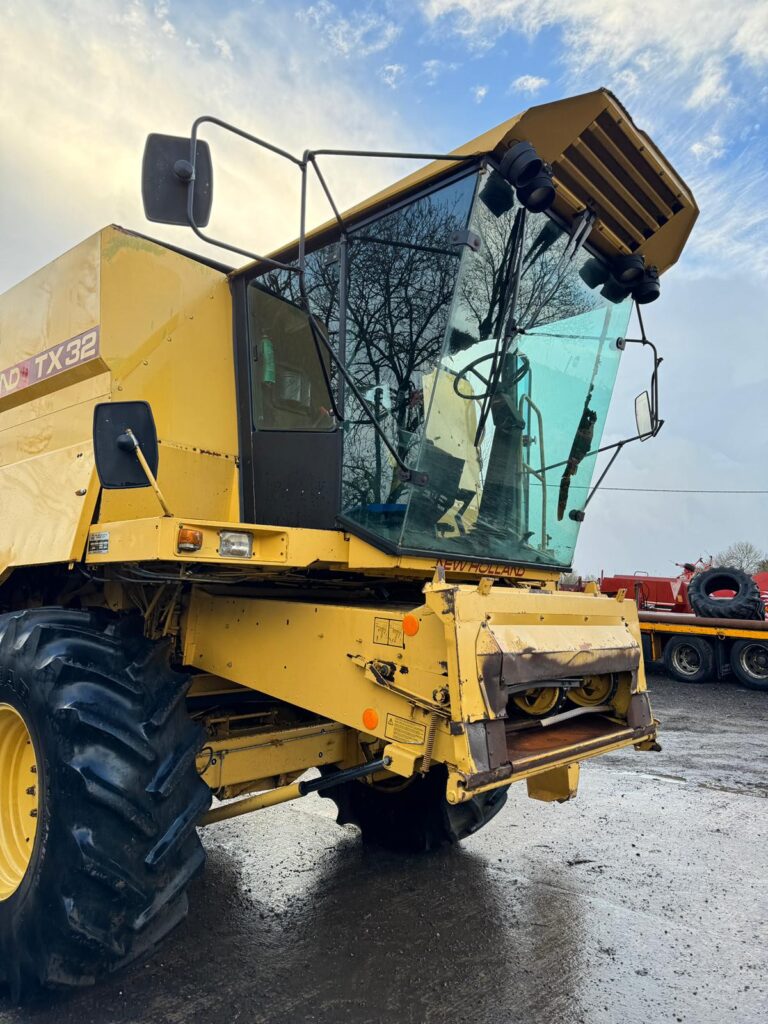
(190, 540)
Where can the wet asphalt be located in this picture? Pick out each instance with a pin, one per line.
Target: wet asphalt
(645, 899)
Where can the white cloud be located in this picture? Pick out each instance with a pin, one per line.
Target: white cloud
(222, 47)
(80, 167)
(479, 92)
(392, 74)
(359, 35)
(529, 83)
(612, 34)
(710, 89)
(433, 69)
(711, 147)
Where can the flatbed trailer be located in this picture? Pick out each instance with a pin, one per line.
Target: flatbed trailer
(696, 650)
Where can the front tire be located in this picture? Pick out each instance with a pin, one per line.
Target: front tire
(412, 815)
(117, 797)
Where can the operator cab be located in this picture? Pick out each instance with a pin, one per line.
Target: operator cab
(484, 355)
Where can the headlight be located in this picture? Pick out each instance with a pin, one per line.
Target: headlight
(233, 544)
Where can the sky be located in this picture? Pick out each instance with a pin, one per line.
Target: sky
(83, 83)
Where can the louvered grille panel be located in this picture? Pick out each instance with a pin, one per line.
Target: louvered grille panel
(604, 170)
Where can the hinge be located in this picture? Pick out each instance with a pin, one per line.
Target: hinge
(468, 238)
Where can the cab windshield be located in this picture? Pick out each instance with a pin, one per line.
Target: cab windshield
(488, 363)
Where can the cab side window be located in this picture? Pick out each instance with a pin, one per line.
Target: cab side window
(288, 381)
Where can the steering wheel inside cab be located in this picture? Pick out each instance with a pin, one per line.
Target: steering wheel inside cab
(491, 384)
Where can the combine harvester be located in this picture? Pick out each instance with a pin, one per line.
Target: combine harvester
(311, 514)
(705, 623)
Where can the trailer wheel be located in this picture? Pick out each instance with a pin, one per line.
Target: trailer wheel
(99, 797)
(412, 815)
(689, 659)
(749, 662)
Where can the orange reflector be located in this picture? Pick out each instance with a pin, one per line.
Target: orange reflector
(410, 625)
(190, 540)
(370, 718)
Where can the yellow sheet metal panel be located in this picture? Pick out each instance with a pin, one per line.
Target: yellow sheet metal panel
(57, 303)
(46, 507)
(193, 482)
(57, 420)
(167, 337)
(557, 784)
(318, 657)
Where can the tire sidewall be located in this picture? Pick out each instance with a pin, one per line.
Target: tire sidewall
(706, 656)
(741, 673)
(20, 912)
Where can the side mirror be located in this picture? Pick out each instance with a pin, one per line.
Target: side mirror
(115, 451)
(167, 176)
(644, 416)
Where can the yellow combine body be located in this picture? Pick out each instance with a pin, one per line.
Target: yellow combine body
(273, 594)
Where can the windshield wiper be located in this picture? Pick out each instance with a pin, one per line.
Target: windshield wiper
(580, 448)
(511, 331)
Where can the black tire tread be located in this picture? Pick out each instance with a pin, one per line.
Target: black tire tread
(416, 818)
(744, 677)
(121, 850)
(746, 603)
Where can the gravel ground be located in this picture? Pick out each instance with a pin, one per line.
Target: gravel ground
(644, 899)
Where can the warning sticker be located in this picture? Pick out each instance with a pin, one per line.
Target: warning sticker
(98, 544)
(388, 631)
(403, 730)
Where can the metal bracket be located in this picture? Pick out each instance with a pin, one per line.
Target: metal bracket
(472, 240)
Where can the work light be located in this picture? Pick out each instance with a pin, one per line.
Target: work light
(628, 270)
(529, 175)
(520, 164)
(648, 289)
(539, 193)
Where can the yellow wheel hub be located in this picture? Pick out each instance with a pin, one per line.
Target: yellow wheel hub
(596, 690)
(537, 702)
(19, 800)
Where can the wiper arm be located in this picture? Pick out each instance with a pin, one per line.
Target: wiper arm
(511, 330)
(582, 443)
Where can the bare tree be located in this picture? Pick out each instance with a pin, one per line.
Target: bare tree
(744, 555)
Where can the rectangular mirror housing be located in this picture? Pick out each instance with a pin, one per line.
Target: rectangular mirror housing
(166, 177)
(114, 451)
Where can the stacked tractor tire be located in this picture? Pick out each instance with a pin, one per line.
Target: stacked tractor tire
(744, 603)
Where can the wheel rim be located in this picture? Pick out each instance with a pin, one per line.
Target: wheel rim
(754, 660)
(537, 702)
(19, 800)
(686, 659)
(595, 690)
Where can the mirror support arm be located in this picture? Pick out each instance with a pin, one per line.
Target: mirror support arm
(603, 475)
(657, 361)
(130, 442)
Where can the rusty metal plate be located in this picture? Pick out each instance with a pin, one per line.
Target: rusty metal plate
(532, 653)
